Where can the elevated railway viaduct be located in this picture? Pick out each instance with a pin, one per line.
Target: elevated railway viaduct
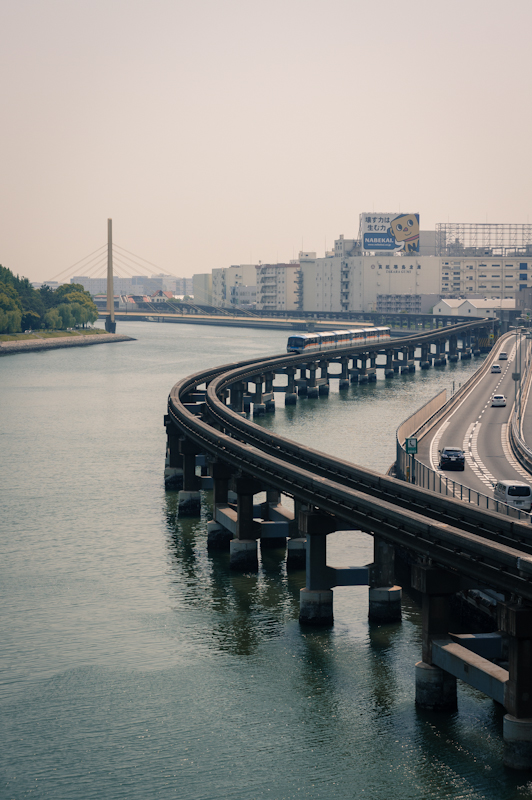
(453, 545)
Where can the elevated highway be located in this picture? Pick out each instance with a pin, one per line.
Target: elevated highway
(453, 545)
(480, 429)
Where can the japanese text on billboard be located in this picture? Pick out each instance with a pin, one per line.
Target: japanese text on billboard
(380, 231)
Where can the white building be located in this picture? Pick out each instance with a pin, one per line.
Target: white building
(347, 280)
(278, 287)
(242, 296)
(473, 307)
(202, 289)
(497, 276)
(225, 277)
(343, 282)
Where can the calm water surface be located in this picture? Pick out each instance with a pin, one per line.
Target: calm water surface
(133, 665)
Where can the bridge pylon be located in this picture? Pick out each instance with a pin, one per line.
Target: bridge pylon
(110, 324)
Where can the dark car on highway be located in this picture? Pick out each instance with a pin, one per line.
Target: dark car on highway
(452, 458)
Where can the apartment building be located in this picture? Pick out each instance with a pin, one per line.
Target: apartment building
(492, 277)
(202, 289)
(224, 278)
(278, 286)
(343, 282)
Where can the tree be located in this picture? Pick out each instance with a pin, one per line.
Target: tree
(75, 295)
(31, 320)
(52, 319)
(67, 317)
(10, 311)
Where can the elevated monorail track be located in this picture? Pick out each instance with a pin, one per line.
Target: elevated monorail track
(480, 546)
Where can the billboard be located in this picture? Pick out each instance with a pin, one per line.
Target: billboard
(386, 232)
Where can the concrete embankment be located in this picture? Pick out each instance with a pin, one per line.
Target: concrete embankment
(30, 345)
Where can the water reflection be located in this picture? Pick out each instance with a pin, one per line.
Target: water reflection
(248, 608)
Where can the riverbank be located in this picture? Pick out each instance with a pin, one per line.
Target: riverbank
(29, 345)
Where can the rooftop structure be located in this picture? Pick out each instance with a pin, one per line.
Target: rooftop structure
(483, 239)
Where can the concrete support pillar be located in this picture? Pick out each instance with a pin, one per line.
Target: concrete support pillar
(290, 397)
(312, 389)
(516, 621)
(384, 595)
(404, 361)
(323, 388)
(218, 537)
(362, 372)
(259, 409)
(189, 501)
(237, 396)
(435, 689)
(389, 370)
(268, 389)
(316, 599)
(411, 361)
(344, 376)
(273, 498)
(243, 549)
(173, 471)
(296, 547)
(441, 359)
(302, 381)
(453, 349)
(426, 359)
(373, 360)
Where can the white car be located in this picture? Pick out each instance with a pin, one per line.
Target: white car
(503, 356)
(498, 400)
(496, 368)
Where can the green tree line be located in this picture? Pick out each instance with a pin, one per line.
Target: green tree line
(22, 307)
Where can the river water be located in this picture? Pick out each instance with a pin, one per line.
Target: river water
(134, 665)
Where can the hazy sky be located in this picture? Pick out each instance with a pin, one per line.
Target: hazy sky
(218, 132)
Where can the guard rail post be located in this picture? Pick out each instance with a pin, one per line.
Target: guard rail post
(243, 548)
(173, 471)
(316, 599)
(296, 548)
(516, 622)
(218, 537)
(435, 688)
(189, 501)
(384, 595)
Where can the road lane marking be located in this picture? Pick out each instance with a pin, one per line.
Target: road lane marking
(510, 456)
(472, 457)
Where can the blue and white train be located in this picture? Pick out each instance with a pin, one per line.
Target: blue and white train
(333, 340)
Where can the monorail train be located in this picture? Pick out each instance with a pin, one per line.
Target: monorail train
(333, 340)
